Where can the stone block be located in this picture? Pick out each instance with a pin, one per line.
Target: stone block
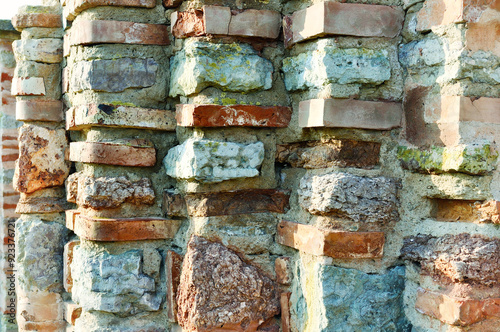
(125, 229)
(41, 161)
(117, 32)
(336, 244)
(119, 154)
(215, 283)
(68, 259)
(476, 159)
(28, 86)
(39, 110)
(350, 113)
(191, 115)
(37, 78)
(467, 211)
(350, 19)
(40, 20)
(283, 268)
(212, 161)
(460, 108)
(351, 197)
(75, 7)
(113, 75)
(329, 64)
(72, 312)
(199, 65)
(104, 115)
(173, 263)
(329, 153)
(47, 50)
(49, 200)
(245, 24)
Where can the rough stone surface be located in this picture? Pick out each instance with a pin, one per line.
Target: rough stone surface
(108, 192)
(328, 153)
(462, 258)
(333, 65)
(47, 50)
(130, 152)
(214, 161)
(364, 302)
(37, 78)
(28, 86)
(356, 198)
(188, 24)
(113, 75)
(219, 290)
(467, 211)
(113, 283)
(230, 67)
(41, 161)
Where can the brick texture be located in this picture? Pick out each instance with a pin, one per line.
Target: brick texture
(112, 154)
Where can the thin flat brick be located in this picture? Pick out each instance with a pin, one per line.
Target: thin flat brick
(105, 115)
(467, 211)
(67, 260)
(75, 7)
(28, 86)
(349, 113)
(173, 263)
(336, 244)
(39, 110)
(349, 19)
(28, 204)
(125, 229)
(38, 20)
(112, 154)
(285, 311)
(117, 32)
(72, 312)
(460, 108)
(255, 23)
(189, 115)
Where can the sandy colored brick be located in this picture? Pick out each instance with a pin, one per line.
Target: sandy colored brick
(117, 32)
(28, 86)
(173, 263)
(192, 115)
(40, 20)
(40, 306)
(467, 211)
(39, 110)
(67, 260)
(349, 113)
(461, 108)
(71, 218)
(75, 7)
(112, 154)
(336, 244)
(485, 34)
(72, 312)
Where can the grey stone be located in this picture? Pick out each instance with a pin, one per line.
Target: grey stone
(113, 283)
(332, 65)
(230, 67)
(334, 299)
(113, 75)
(214, 161)
(344, 195)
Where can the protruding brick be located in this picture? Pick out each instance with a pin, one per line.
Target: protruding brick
(39, 20)
(328, 153)
(39, 110)
(72, 312)
(104, 115)
(68, 258)
(132, 154)
(285, 311)
(335, 18)
(173, 265)
(28, 86)
(460, 108)
(349, 113)
(125, 229)
(117, 32)
(245, 24)
(467, 211)
(283, 269)
(336, 244)
(190, 115)
(75, 7)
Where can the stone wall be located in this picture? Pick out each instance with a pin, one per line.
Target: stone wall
(258, 166)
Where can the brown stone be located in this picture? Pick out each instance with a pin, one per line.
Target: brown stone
(336, 244)
(72, 312)
(467, 211)
(350, 19)
(113, 153)
(41, 161)
(50, 200)
(329, 153)
(39, 110)
(349, 113)
(187, 24)
(173, 265)
(174, 204)
(39, 20)
(125, 229)
(75, 7)
(236, 202)
(283, 269)
(189, 115)
(254, 23)
(105, 115)
(68, 258)
(285, 311)
(219, 291)
(117, 32)
(460, 108)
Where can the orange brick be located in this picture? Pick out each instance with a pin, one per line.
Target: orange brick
(285, 311)
(112, 154)
(336, 244)
(173, 265)
(467, 211)
(68, 258)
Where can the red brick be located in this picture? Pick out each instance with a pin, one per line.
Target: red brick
(112, 153)
(484, 35)
(349, 113)
(68, 258)
(245, 24)
(39, 110)
(460, 108)
(189, 115)
(491, 307)
(350, 19)
(72, 312)
(125, 229)
(75, 7)
(285, 311)
(336, 244)
(283, 269)
(117, 32)
(40, 20)
(173, 265)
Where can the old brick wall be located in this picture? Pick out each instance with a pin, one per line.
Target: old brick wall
(258, 165)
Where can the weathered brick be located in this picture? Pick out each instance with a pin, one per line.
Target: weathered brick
(349, 113)
(335, 18)
(125, 229)
(41, 20)
(54, 326)
(47, 50)
(117, 32)
(466, 211)
(28, 86)
(285, 311)
(460, 108)
(187, 24)
(283, 268)
(216, 19)
(173, 263)
(105, 115)
(75, 7)
(72, 312)
(485, 34)
(328, 153)
(244, 24)
(67, 260)
(120, 154)
(49, 200)
(39, 110)
(336, 244)
(191, 115)
(39, 307)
